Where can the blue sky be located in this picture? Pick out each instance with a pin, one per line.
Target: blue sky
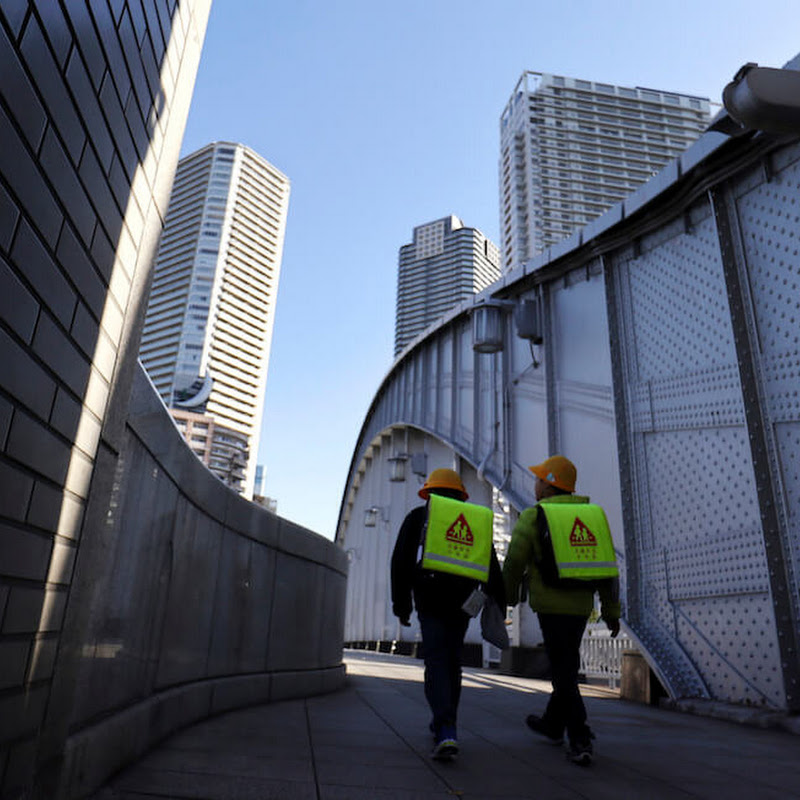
(384, 116)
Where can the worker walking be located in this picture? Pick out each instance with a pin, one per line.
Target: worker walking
(443, 554)
(564, 545)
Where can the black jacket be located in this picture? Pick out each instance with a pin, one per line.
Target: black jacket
(433, 592)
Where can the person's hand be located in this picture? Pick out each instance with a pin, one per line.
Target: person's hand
(613, 626)
(404, 621)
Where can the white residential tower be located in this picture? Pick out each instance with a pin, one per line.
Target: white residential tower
(208, 329)
(570, 149)
(445, 264)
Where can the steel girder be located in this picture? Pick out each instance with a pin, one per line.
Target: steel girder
(669, 373)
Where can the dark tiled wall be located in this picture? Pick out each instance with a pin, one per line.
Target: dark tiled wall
(93, 101)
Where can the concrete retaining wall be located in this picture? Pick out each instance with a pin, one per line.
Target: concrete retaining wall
(209, 603)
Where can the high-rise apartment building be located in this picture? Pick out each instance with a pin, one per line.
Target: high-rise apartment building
(208, 327)
(444, 265)
(570, 149)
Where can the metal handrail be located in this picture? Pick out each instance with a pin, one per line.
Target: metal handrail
(601, 656)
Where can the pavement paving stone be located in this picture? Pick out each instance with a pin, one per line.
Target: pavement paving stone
(385, 741)
(370, 741)
(195, 786)
(394, 757)
(371, 793)
(266, 765)
(111, 794)
(378, 777)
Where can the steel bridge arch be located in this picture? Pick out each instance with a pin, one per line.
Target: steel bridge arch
(668, 372)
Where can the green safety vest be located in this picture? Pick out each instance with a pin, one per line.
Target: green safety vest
(458, 538)
(581, 539)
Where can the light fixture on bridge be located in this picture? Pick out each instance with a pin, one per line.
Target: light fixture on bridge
(488, 324)
(373, 514)
(397, 467)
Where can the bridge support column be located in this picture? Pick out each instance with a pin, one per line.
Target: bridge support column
(762, 446)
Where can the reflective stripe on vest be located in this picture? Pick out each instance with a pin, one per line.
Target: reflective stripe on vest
(458, 538)
(582, 543)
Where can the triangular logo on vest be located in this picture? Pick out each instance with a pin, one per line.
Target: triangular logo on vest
(460, 532)
(581, 536)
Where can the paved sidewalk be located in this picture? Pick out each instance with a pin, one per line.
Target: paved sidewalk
(370, 741)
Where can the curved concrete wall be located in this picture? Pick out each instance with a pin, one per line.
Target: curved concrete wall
(209, 602)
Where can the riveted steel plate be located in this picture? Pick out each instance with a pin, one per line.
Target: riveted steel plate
(699, 487)
(708, 398)
(769, 218)
(739, 566)
(680, 314)
(735, 647)
(655, 590)
(699, 522)
(788, 441)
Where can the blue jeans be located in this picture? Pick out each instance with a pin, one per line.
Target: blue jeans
(442, 640)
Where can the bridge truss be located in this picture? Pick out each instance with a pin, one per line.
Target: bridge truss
(669, 371)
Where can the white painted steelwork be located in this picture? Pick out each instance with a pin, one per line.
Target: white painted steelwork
(670, 374)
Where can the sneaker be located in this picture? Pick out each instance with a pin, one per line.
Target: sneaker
(445, 750)
(538, 725)
(446, 747)
(580, 752)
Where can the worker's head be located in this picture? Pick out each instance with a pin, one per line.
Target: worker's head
(555, 475)
(446, 482)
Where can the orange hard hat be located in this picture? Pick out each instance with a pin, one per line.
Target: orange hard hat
(558, 471)
(443, 479)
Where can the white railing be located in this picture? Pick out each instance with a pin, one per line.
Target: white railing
(601, 656)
